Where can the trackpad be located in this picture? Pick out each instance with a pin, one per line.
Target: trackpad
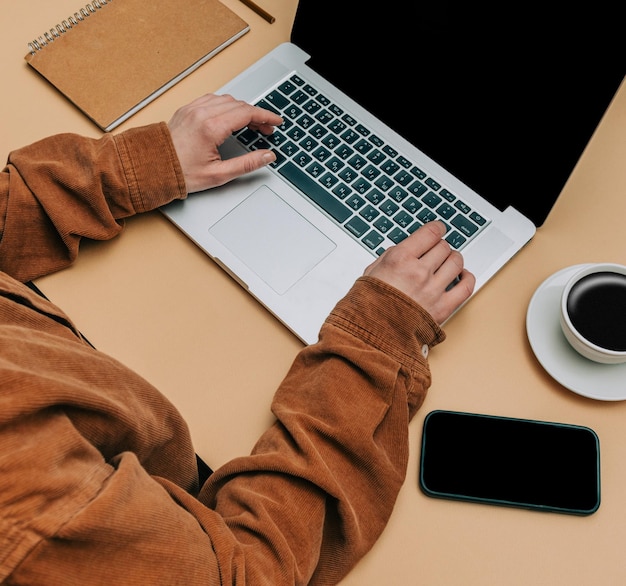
(272, 239)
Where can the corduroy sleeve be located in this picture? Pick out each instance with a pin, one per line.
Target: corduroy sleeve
(321, 484)
(67, 187)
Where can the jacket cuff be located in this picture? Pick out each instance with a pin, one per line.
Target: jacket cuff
(383, 317)
(387, 319)
(151, 166)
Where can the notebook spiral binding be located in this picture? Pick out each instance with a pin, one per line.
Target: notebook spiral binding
(60, 29)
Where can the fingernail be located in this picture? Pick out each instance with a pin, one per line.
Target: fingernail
(269, 158)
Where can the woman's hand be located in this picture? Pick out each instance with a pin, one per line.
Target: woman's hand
(423, 266)
(200, 127)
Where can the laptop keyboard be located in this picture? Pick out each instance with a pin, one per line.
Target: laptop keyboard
(365, 185)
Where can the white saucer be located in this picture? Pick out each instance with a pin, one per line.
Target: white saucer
(605, 382)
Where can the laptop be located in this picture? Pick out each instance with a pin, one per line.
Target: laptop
(395, 117)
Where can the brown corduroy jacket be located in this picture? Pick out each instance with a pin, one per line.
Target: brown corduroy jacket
(98, 478)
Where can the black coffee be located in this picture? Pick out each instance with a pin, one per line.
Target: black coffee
(597, 308)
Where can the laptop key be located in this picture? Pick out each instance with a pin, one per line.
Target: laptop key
(477, 218)
(369, 188)
(247, 137)
(305, 121)
(372, 239)
(277, 100)
(463, 225)
(287, 87)
(397, 235)
(370, 213)
(355, 202)
(342, 191)
(455, 239)
(357, 226)
(426, 216)
(315, 192)
(296, 133)
(432, 200)
(383, 224)
(299, 97)
(312, 107)
(302, 159)
(322, 99)
(446, 211)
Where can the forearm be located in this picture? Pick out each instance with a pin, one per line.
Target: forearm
(64, 188)
(321, 484)
(308, 503)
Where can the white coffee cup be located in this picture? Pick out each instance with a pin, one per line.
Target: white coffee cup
(593, 312)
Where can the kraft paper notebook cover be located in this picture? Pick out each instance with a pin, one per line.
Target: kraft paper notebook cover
(113, 57)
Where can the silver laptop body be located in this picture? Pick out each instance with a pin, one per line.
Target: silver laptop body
(287, 252)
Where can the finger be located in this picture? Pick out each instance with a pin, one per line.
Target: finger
(462, 290)
(246, 114)
(417, 244)
(223, 171)
(204, 102)
(264, 121)
(224, 114)
(450, 268)
(437, 255)
(266, 128)
(423, 239)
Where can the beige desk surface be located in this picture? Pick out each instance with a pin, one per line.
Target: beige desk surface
(151, 299)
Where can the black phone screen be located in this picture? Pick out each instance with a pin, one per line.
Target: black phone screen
(512, 462)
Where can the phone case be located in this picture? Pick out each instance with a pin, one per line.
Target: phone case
(489, 459)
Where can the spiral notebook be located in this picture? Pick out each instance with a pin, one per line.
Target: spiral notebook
(113, 57)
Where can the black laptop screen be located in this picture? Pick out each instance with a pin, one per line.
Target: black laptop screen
(505, 97)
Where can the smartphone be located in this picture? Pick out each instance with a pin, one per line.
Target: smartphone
(513, 462)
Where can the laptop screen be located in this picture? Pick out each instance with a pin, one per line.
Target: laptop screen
(505, 98)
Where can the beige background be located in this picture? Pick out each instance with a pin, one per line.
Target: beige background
(151, 299)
